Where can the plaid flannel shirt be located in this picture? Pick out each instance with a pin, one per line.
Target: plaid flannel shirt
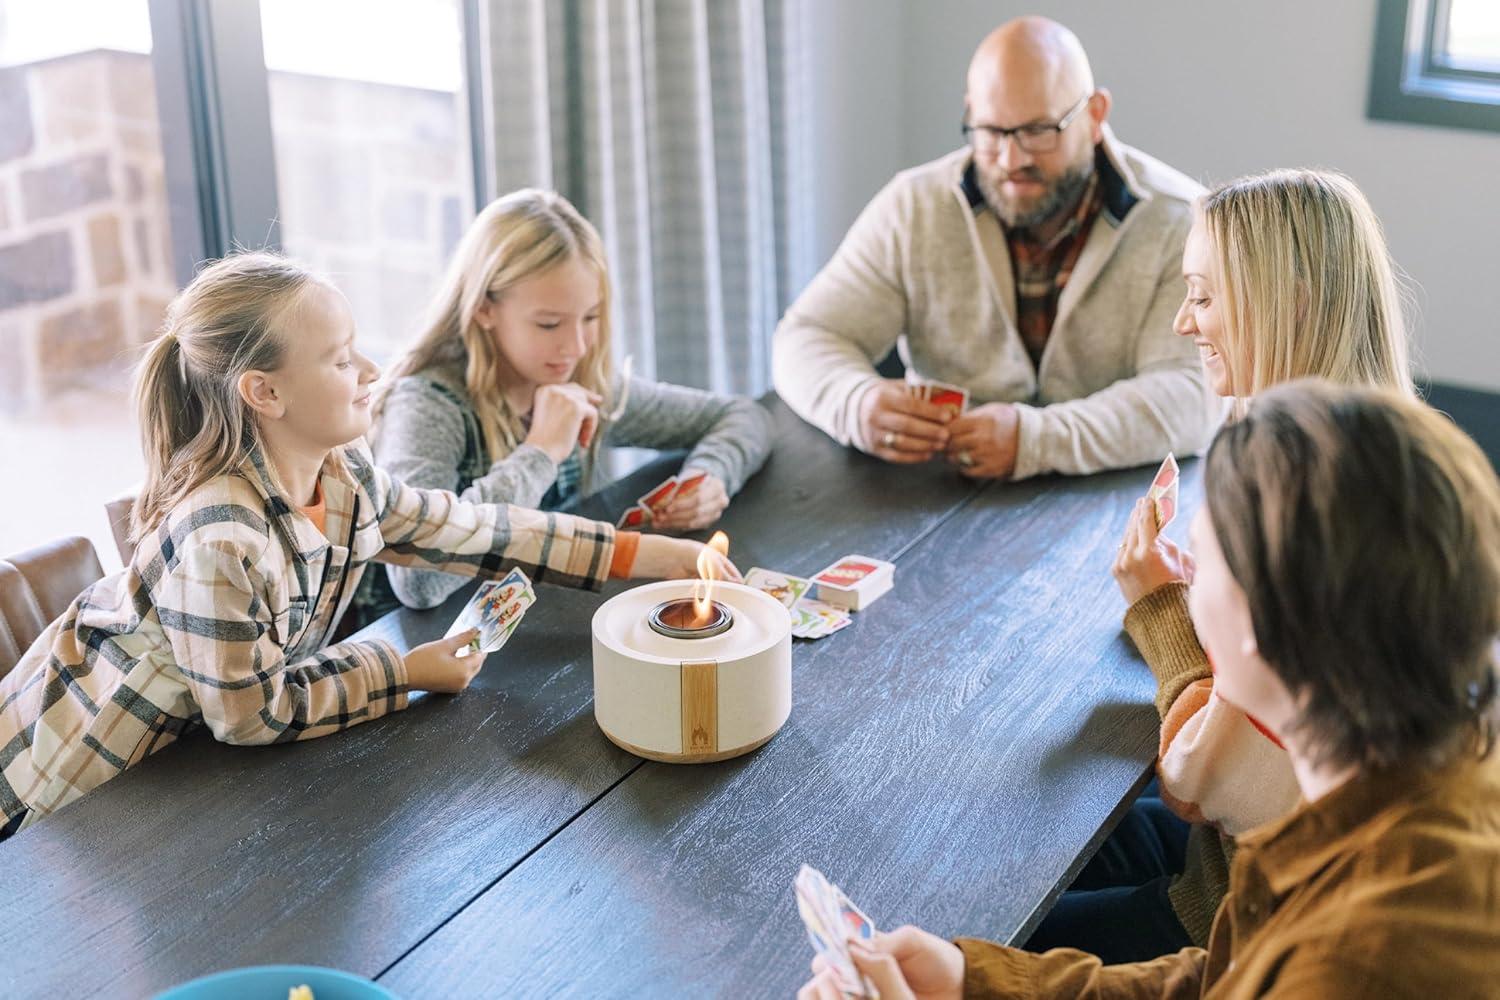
(221, 620)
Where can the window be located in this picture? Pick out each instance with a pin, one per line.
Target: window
(369, 124)
(1437, 62)
(85, 259)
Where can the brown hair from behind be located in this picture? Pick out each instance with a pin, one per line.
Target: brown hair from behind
(1364, 529)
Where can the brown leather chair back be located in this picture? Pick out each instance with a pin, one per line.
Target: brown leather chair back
(36, 587)
(118, 512)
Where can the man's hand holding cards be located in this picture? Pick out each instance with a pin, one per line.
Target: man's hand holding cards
(495, 610)
(900, 425)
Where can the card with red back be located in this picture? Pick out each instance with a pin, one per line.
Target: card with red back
(637, 518)
(690, 481)
(660, 496)
(949, 397)
(848, 571)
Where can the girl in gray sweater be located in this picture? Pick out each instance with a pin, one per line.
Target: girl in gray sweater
(508, 396)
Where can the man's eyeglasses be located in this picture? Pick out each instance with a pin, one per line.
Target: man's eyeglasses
(1036, 138)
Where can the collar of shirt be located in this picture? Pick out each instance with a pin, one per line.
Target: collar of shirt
(1350, 818)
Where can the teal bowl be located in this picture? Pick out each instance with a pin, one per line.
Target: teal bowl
(271, 982)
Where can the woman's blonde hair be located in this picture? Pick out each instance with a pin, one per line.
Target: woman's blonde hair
(194, 424)
(1306, 283)
(516, 237)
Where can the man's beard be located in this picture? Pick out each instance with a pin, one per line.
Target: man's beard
(1059, 195)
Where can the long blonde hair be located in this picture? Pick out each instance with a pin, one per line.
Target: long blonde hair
(194, 424)
(1306, 282)
(516, 237)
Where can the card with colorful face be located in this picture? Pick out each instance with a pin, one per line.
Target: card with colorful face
(786, 589)
(831, 920)
(812, 619)
(495, 610)
(1163, 492)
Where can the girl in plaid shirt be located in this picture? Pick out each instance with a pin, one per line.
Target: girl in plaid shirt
(260, 510)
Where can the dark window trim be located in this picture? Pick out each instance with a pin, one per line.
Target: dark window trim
(215, 105)
(1407, 84)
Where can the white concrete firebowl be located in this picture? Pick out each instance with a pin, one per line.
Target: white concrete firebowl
(692, 700)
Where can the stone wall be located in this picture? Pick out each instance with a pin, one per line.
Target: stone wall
(372, 186)
(85, 267)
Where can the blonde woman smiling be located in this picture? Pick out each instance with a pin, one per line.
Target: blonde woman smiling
(1287, 276)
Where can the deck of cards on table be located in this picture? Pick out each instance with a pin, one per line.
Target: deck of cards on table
(951, 397)
(831, 921)
(496, 608)
(1163, 492)
(811, 618)
(854, 582)
(651, 505)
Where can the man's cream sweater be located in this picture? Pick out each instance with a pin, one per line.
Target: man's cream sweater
(925, 267)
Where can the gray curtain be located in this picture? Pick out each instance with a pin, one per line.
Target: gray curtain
(669, 124)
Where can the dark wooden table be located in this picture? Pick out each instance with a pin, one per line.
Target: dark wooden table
(951, 760)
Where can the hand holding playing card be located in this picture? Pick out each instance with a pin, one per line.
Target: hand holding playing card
(441, 666)
(899, 427)
(984, 441)
(1148, 560)
(698, 502)
(905, 963)
(562, 417)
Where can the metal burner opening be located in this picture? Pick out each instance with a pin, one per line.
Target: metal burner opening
(677, 619)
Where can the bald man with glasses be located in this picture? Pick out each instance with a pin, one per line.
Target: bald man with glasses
(1038, 267)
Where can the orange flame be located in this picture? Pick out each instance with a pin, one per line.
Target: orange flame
(708, 572)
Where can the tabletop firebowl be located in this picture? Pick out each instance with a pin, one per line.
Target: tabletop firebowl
(691, 684)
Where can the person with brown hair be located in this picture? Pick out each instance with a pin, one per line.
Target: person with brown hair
(1347, 590)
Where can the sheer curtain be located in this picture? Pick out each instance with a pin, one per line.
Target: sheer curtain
(672, 125)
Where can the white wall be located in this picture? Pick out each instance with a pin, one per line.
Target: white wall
(1214, 87)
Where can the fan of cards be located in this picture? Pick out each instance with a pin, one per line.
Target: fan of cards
(950, 397)
(496, 608)
(831, 921)
(1163, 492)
(650, 507)
(821, 605)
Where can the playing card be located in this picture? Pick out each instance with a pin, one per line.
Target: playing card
(831, 919)
(660, 496)
(949, 397)
(812, 619)
(953, 398)
(690, 481)
(495, 610)
(1163, 492)
(786, 589)
(846, 572)
(637, 518)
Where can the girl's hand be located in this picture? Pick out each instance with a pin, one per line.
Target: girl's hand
(905, 964)
(437, 666)
(1146, 561)
(563, 416)
(662, 558)
(695, 509)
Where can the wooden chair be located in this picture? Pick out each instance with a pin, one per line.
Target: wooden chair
(36, 587)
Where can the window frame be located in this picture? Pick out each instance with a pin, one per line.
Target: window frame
(1410, 82)
(214, 96)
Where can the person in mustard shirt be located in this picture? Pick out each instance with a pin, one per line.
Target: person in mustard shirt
(1347, 591)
